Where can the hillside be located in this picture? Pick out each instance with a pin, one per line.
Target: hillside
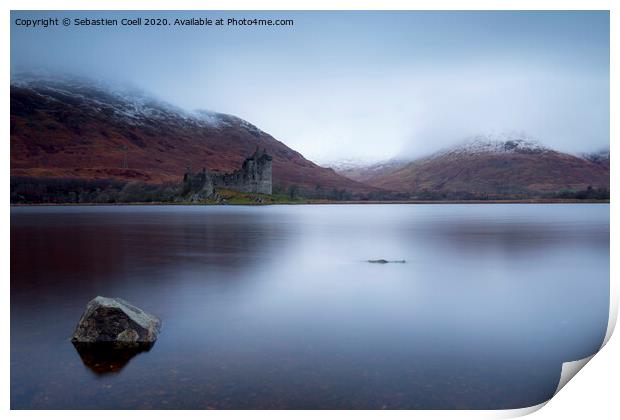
(496, 167)
(363, 172)
(72, 128)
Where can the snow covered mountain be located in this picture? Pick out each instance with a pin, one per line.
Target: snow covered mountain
(497, 144)
(601, 157)
(492, 165)
(364, 172)
(76, 128)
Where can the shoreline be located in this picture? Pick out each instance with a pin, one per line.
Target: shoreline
(325, 202)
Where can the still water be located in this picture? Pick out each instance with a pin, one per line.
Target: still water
(276, 306)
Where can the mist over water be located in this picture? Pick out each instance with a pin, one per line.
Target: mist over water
(277, 306)
(358, 85)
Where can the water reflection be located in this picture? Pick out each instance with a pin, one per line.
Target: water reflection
(277, 307)
(96, 250)
(105, 358)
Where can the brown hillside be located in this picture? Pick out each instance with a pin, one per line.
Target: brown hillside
(78, 129)
(496, 171)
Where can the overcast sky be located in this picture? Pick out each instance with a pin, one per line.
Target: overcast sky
(359, 85)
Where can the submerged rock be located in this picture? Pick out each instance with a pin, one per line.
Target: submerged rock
(382, 261)
(113, 320)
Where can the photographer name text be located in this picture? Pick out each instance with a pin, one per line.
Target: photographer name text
(149, 21)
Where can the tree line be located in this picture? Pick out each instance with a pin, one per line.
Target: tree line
(27, 190)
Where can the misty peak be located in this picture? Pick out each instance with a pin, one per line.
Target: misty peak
(599, 156)
(498, 143)
(125, 101)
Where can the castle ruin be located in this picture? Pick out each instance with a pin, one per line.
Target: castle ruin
(254, 177)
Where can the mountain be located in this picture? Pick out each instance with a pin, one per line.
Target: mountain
(75, 128)
(494, 166)
(601, 157)
(364, 172)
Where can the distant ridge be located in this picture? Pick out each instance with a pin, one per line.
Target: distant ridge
(492, 165)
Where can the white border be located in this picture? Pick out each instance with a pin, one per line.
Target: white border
(600, 384)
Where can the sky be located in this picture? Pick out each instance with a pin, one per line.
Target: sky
(362, 86)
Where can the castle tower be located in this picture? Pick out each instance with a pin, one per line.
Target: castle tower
(254, 176)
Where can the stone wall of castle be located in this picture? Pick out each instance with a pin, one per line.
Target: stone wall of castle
(254, 176)
(197, 187)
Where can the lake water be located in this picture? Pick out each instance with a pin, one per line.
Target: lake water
(276, 306)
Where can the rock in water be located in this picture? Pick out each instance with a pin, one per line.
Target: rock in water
(112, 320)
